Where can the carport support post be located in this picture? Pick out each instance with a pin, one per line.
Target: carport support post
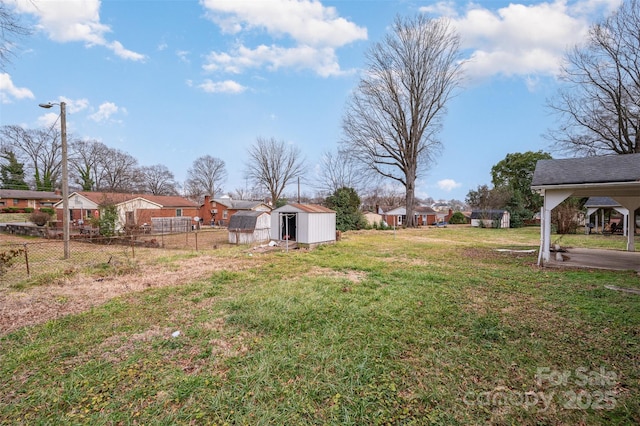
(551, 200)
(631, 204)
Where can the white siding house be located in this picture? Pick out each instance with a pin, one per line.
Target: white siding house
(306, 224)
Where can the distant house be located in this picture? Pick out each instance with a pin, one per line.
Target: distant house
(218, 211)
(133, 209)
(13, 199)
(307, 224)
(372, 218)
(491, 218)
(249, 227)
(424, 216)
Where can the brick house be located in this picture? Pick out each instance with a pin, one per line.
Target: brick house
(218, 211)
(11, 199)
(133, 209)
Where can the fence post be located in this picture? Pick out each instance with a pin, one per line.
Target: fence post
(133, 247)
(196, 240)
(26, 261)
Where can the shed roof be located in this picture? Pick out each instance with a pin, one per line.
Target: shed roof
(487, 214)
(307, 208)
(246, 219)
(602, 169)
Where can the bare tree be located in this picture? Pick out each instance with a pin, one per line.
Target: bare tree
(158, 180)
(341, 170)
(119, 172)
(599, 108)
(10, 29)
(396, 111)
(205, 177)
(85, 163)
(273, 165)
(41, 152)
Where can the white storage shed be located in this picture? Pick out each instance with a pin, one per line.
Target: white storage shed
(249, 227)
(306, 224)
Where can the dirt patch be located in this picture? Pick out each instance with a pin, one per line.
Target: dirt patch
(353, 276)
(80, 292)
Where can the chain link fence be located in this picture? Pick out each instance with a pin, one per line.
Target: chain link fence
(38, 259)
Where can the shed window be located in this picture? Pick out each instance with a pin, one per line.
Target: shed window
(178, 212)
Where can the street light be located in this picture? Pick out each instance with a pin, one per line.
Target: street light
(65, 174)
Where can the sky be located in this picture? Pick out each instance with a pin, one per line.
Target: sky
(169, 81)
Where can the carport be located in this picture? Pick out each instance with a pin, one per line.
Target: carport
(614, 176)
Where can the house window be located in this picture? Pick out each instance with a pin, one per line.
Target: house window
(178, 212)
(224, 214)
(2, 203)
(15, 201)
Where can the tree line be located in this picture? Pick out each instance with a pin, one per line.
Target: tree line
(390, 126)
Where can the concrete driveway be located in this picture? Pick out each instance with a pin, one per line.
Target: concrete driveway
(598, 259)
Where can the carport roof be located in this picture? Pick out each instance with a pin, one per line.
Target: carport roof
(603, 169)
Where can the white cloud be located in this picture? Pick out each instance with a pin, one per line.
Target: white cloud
(75, 20)
(521, 39)
(184, 56)
(105, 112)
(227, 86)
(8, 90)
(74, 106)
(448, 184)
(315, 31)
(48, 120)
(323, 61)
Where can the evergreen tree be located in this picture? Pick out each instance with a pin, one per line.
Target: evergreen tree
(12, 173)
(346, 203)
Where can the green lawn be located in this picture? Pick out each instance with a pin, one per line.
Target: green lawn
(429, 326)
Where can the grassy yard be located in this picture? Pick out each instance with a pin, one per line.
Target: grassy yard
(429, 326)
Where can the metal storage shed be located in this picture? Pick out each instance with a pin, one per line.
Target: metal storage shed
(306, 224)
(249, 227)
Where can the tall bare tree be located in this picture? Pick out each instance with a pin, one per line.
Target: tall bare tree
(205, 177)
(119, 172)
(41, 152)
(85, 161)
(599, 106)
(273, 165)
(394, 115)
(10, 29)
(158, 180)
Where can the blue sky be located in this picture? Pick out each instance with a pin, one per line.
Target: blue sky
(170, 81)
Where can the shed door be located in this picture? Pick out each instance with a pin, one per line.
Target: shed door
(288, 223)
(130, 218)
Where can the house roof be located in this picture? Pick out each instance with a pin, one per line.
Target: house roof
(602, 169)
(239, 204)
(416, 210)
(29, 195)
(118, 198)
(245, 220)
(601, 202)
(423, 209)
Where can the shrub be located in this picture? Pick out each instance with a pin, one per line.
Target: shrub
(48, 210)
(457, 218)
(40, 218)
